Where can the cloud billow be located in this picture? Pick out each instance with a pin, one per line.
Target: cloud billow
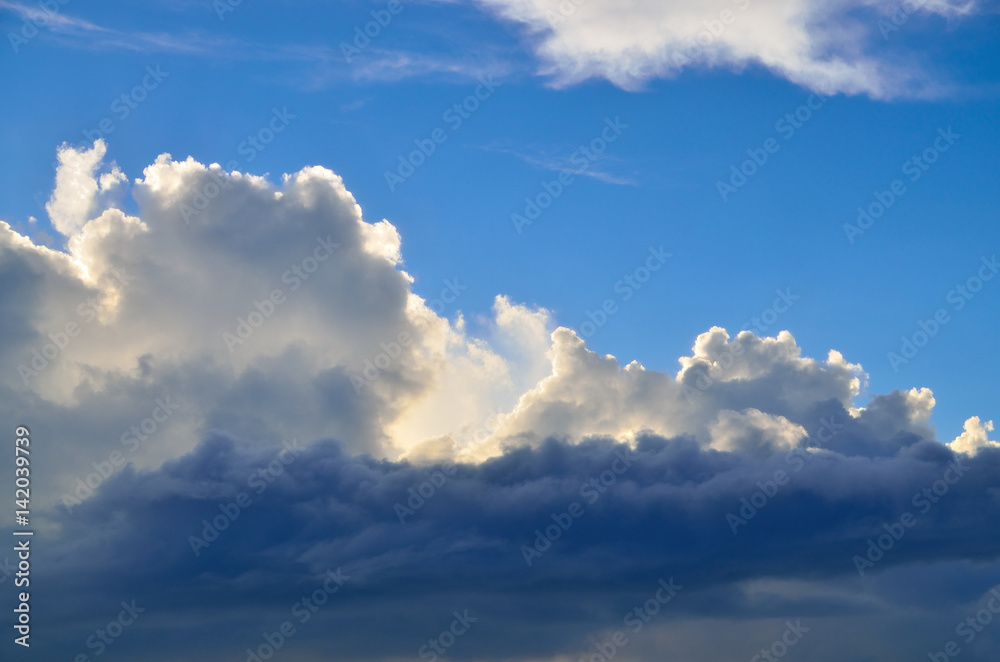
(522, 426)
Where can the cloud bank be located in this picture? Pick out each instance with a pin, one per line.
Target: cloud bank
(241, 392)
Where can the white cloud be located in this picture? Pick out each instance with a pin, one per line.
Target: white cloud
(154, 298)
(723, 383)
(974, 437)
(79, 191)
(819, 45)
(44, 15)
(754, 432)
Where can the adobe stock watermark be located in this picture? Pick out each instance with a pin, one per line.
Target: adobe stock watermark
(923, 500)
(770, 315)
(760, 324)
(590, 491)
(423, 492)
(381, 18)
(779, 649)
(133, 438)
(294, 277)
(749, 507)
(958, 297)
(223, 7)
(483, 432)
(564, 10)
(625, 288)
(714, 27)
(259, 480)
(106, 636)
(47, 12)
(249, 148)
(969, 628)
(88, 310)
(898, 18)
(635, 619)
(768, 489)
(786, 127)
(6, 569)
(453, 117)
(303, 611)
(122, 108)
(581, 160)
(436, 479)
(914, 168)
(440, 644)
(375, 366)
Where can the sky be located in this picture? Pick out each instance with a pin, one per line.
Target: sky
(536, 330)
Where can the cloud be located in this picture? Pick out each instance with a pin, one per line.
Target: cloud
(546, 160)
(275, 312)
(325, 63)
(664, 516)
(829, 46)
(166, 355)
(824, 46)
(588, 394)
(753, 431)
(78, 189)
(269, 311)
(44, 15)
(974, 437)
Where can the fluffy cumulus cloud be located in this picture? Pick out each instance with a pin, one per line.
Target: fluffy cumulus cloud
(974, 437)
(78, 192)
(240, 403)
(827, 46)
(275, 312)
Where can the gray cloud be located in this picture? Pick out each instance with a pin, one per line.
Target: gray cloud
(664, 516)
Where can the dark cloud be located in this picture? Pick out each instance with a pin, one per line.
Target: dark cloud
(663, 516)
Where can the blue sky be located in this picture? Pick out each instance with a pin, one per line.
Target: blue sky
(833, 100)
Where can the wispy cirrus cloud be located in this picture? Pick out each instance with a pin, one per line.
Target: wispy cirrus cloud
(55, 21)
(326, 63)
(559, 160)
